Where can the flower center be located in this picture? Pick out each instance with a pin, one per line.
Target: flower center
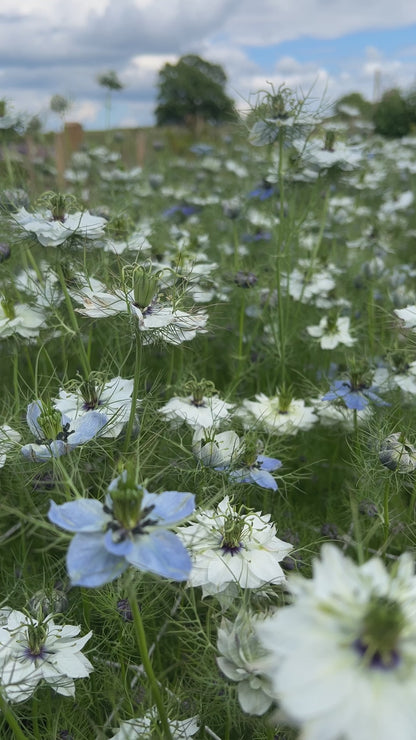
(129, 515)
(199, 389)
(36, 637)
(90, 395)
(231, 536)
(145, 286)
(381, 630)
(50, 422)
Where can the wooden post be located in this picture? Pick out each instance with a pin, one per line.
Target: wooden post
(140, 147)
(60, 159)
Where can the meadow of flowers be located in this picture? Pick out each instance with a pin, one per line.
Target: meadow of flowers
(207, 435)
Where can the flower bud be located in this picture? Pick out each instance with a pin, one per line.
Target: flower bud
(396, 453)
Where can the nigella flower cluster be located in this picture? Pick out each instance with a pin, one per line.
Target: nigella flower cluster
(32, 651)
(132, 527)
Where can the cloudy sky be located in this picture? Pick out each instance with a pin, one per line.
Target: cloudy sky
(328, 47)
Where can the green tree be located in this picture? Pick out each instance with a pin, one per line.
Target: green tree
(391, 115)
(192, 90)
(355, 101)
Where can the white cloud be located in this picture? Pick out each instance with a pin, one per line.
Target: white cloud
(273, 21)
(51, 47)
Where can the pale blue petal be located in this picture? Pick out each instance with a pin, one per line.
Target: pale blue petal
(82, 515)
(163, 553)
(90, 564)
(263, 478)
(34, 410)
(120, 548)
(88, 427)
(40, 453)
(254, 475)
(268, 463)
(170, 507)
(355, 400)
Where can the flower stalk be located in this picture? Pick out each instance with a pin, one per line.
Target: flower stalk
(147, 664)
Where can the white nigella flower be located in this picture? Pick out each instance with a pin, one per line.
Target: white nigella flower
(407, 315)
(112, 398)
(228, 548)
(329, 153)
(45, 290)
(52, 231)
(159, 321)
(216, 450)
(32, 651)
(342, 657)
(147, 728)
(240, 652)
(154, 319)
(331, 413)
(407, 380)
(136, 242)
(204, 411)
(309, 285)
(95, 299)
(279, 414)
(331, 333)
(21, 319)
(8, 439)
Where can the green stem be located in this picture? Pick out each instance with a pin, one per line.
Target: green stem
(357, 529)
(386, 514)
(11, 720)
(135, 394)
(147, 665)
(280, 241)
(73, 319)
(7, 162)
(241, 328)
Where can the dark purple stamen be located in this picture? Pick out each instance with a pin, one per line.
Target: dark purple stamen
(378, 661)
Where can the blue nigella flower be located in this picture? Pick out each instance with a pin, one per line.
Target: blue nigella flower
(263, 191)
(184, 210)
(130, 528)
(201, 149)
(354, 396)
(55, 433)
(239, 458)
(257, 236)
(258, 472)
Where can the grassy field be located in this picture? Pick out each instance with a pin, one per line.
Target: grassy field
(207, 423)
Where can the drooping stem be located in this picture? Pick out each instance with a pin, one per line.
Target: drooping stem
(147, 664)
